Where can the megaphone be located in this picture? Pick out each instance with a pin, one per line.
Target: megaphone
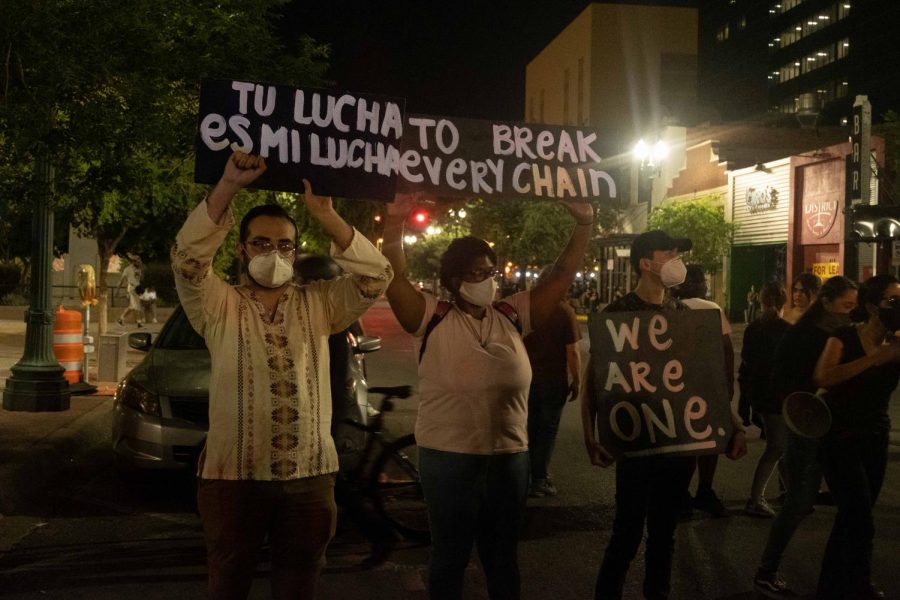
(807, 414)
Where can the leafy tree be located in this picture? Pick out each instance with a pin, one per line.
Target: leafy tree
(523, 231)
(702, 221)
(112, 88)
(545, 229)
(424, 257)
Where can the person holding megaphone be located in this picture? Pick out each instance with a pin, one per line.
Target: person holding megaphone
(795, 363)
(860, 368)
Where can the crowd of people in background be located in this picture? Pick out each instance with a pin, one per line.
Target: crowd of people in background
(494, 376)
(835, 340)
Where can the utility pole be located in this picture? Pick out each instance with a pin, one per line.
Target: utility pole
(36, 382)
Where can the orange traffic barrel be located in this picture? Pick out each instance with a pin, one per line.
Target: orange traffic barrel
(68, 343)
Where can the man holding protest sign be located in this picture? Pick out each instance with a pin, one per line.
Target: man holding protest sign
(628, 410)
(268, 465)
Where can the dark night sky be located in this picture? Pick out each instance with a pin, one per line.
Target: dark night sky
(453, 58)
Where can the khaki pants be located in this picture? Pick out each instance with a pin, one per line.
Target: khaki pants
(299, 517)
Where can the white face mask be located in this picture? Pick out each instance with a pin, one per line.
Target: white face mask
(672, 272)
(271, 270)
(479, 294)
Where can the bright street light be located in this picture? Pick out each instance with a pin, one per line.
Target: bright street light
(660, 150)
(641, 150)
(650, 156)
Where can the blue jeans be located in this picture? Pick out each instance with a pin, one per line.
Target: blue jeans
(545, 406)
(804, 475)
(474, 499)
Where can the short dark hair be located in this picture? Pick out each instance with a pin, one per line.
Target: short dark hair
(266, 210)
(645, 244)
(459, 255)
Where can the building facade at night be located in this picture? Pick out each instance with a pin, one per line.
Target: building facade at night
(763, 136)
(621, 69)
(627, 70)
(761, 58)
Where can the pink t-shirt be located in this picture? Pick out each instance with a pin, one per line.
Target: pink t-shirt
(473, 381)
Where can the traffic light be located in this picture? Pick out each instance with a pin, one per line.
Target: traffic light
(419, 218)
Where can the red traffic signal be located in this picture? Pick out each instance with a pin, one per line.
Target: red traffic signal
(419, 217)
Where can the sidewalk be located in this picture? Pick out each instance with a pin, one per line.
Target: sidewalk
(36, 446)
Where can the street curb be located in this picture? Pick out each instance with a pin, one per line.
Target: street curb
(24, 482)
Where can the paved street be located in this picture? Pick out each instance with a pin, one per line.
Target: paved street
(91, 534)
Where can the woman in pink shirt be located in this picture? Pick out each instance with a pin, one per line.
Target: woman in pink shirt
(474, 377)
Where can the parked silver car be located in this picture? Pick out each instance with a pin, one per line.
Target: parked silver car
(160, 410)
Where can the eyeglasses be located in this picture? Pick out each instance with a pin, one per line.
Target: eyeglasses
(476, 275)
(266, 246)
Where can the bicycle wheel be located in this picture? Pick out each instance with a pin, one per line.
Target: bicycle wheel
(397, 491)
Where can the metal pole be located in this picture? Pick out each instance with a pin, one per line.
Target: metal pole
(36, 382)
(86, 341)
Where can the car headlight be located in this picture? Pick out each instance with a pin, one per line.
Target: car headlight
(134, 395)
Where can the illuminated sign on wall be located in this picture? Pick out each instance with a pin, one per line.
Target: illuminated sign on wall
(761, 199)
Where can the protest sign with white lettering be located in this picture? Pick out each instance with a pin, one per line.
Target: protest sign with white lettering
(658, 382)
(456, 157)
(345, 144)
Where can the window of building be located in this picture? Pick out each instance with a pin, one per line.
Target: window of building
(843, 89)
(843, 48)
(788, 71)
(565, 92)
(579, 102)
(784, 6)
(541, 107)
(818, 59)
(812, 61)
(810, 25)
(723, 33)
(843, 9)
(825, 92)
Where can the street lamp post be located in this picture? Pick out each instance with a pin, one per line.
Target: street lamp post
(36, 382)
(649, 159)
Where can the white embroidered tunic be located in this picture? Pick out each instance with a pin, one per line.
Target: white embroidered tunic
(269, 389)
